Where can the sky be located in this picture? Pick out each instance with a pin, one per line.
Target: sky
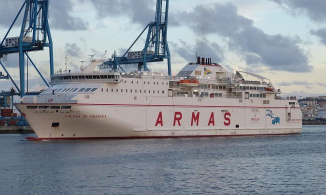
(283, 40)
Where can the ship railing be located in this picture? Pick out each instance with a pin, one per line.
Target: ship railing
(54, 82)
(210, 81)
(285, 98)
(208, 97)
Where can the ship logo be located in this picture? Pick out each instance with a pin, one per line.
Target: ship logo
(207, 71)
(276, 119)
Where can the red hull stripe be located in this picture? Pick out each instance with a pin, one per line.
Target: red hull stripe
(158, 105)
(150, 137)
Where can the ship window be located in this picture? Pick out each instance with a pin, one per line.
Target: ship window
(55, 124)
(65, 107)
(54, 107)
(44, 107)
(111, 90)
(137, 82)
(132, 81)
(162, 83)
(117, 90)
(107, 90)
(96, 76)
(135, 90)
(32, 107)
(94, 89)
(125, 81)
(149, 91)
(126, 90)
(87, 89)
(144, 91)
(153, 91)
(154, 83)
(162, 91)
(144, 82)
(75, 89)
(148, 82)
(265, 101)
(139, 91)
(130, 90)
(121, 90)
(102, 76)
(102, 89)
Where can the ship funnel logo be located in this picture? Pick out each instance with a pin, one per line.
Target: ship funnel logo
(275, 119)
(207, 71)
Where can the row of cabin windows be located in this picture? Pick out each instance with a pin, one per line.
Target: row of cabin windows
(154, 83)
(212, 95)
(252, 88)
(48, 107)
(81, 77)
(218, 87)
(212, 87)
(132, 91)
(257, 95)
(75, 89)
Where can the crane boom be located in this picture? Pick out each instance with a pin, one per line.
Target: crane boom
(34, 36)
(156, 46)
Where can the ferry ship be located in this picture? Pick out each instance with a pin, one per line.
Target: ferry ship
(202, 100)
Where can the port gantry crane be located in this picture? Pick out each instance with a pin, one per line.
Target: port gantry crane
(34, 36)
(156, 45)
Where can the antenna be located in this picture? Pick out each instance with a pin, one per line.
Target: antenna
(66, 63)
(92, 56)
(82, 62)
(104, 54)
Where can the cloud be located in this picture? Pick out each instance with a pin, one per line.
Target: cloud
(291, 83)
(277, 52)
(9, 9)
(73, 50)
(321, 33)
(201, 48)
(306, 84)
(315, 9)
(140, 11)
(59, 15)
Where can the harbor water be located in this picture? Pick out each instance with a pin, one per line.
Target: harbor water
(292, 164)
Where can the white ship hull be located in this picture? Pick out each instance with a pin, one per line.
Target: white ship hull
(177, 117)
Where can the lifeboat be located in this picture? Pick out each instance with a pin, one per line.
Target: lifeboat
(189, 83)
(269, 88)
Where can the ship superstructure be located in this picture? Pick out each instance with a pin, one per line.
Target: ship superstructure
(204, 99)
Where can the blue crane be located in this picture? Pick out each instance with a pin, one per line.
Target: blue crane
(34, 36)
(156, 45)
